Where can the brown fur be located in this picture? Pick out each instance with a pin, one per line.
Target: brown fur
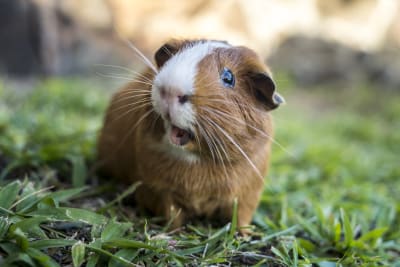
(130, 146)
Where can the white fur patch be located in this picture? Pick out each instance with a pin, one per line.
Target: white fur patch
(180, 70)
(177, 77)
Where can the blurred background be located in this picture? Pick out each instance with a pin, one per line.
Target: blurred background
(337, 140)
(313, 41)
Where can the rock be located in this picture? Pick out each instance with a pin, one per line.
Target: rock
(315, 61)
(62, 37)
(43, 38)
(20, 42)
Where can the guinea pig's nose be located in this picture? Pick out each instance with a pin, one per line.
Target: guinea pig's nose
(183, 98)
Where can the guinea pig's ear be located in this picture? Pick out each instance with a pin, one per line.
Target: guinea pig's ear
(165, 52)
(264, 90)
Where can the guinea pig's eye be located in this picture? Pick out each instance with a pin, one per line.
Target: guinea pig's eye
(227, 78)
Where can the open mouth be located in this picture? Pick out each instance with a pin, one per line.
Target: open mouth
(180, 137)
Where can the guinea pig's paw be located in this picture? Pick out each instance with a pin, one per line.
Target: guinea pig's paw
(175, 217)
(246, 231)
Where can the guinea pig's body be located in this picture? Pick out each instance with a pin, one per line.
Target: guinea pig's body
(196, 131)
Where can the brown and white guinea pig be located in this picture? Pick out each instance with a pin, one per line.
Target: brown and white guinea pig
(195, 130)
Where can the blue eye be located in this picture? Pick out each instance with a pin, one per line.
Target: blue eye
(227, 78)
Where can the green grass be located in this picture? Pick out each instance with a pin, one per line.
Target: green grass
(332, 197)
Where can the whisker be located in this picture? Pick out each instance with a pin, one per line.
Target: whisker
(119, 107)
(141, 95)
(133, 128)
(130, 91)
(239, 149)
(114, 76)
(221, 144)
(129, 111)
(219, 141)
(117, 67)
(207, 139)
(215, 144)
(229, 103)
(143, 57)
(128, 78)
(196, 135)
(136, 73)
(264, 134)
(143, 78)
(150, 83)
(153, 123)
(214, 149)
(136, 93)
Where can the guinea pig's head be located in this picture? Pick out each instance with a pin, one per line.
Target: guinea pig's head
(213, 98)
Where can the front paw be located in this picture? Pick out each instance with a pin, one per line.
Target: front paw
(175, 217)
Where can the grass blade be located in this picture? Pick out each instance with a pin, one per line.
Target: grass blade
(110, 255)
(234, 220)
(348, 231)
(41, 258)
(127, 254)
(4, 225)
(8, 194)
(78, 253)
(114, 230)
(73, 214)
(67, 194)
(51, 243)
(121, 196)
(79, 171)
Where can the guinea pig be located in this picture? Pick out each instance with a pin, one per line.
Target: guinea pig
(195, 130)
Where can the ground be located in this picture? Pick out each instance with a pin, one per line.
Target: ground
(331, 199)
